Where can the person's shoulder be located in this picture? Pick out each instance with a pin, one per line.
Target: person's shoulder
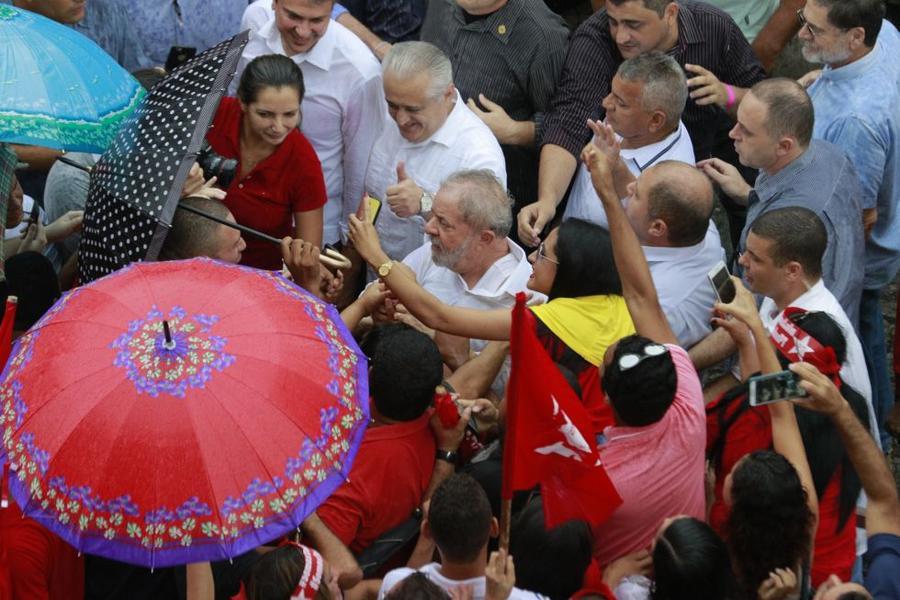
(547, 24)
(519, 594)
(355, 52)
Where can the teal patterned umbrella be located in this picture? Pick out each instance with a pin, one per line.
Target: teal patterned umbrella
(58, 89)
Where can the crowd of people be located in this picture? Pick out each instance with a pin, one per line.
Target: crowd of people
(460, 152)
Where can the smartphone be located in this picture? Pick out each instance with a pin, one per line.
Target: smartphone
(35, 213)
(774, 387)
(178, 55)
(721, 282)
(373, 208)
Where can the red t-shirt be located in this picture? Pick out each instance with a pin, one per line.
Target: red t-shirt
(388, 479)
(288, 181)
(40, 564)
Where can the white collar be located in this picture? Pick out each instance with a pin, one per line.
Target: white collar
(647, 156)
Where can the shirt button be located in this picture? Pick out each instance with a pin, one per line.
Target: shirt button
(241, 185)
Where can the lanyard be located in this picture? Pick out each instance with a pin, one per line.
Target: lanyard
(650, 162)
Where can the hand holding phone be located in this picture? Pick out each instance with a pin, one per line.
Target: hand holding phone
(720, 279)
(774, 387)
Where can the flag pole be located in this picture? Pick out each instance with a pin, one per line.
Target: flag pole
(505, 511)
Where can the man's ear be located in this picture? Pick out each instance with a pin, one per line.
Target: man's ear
(657, 121)
(658, 229)
(794, 270)
(450, 93)
(487, 237)
(857, 38)
(670, 12)
(785, 145)
(425, 529)
(495, 527)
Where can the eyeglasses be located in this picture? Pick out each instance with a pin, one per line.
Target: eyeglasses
(804, 23)
(630, 361)
(543, 256)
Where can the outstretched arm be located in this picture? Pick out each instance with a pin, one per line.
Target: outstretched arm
(466, 322)
(883, 510)
(637, 285)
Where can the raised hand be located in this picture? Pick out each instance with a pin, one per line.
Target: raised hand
(404, 198)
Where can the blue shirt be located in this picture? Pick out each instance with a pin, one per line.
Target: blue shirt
(883, 562)
(823, 180)
(106, 22)
(858, 108)
(198, 24)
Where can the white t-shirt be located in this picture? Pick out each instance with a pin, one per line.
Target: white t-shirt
(433, 572)
(462, 142)
(583, 201)
(343, 110)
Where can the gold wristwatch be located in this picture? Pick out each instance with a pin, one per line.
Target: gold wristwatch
(385, 269)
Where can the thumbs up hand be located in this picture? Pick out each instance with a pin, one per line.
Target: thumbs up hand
(404, 198)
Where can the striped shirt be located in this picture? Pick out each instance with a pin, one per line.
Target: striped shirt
(707, 37)
(514, 57)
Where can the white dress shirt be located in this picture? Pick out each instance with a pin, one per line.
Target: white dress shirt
(256, 15)
(583, 201)
(685, 293)
(462, 142)
(343, 110)
(496, 289)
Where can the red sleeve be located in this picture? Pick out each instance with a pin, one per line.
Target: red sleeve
(343, 513)
(308, 189)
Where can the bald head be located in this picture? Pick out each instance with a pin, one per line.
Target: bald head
(682, 197)
(193, 235)
(789, 109)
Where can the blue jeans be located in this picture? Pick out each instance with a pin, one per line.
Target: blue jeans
(871, 335)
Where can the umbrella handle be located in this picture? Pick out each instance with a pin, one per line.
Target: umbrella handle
(328, 257)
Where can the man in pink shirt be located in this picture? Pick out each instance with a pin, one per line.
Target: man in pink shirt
(654, 454)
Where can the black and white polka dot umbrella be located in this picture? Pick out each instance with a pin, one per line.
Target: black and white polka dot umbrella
(136, 185)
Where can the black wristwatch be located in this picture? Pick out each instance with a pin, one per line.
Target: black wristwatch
(445, 455)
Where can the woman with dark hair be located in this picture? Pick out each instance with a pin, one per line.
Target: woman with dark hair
(771, 494)
(585, 315)
(736, 429)
(278, 187)
(690, 561)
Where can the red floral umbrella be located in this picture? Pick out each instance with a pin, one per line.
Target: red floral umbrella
(180, 412)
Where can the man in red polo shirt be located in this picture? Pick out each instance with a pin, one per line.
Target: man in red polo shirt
(394, 464)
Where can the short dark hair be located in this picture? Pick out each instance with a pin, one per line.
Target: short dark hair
(459, 518)
(641, 395)
(417, 586)
(789, 109)
(686, 218)
(797, 234)
(191, 234)
(406, 366)
(847, 14)
(586, 264)
(269, 70)
(854, 595)
(657, 6)
(691, 561)
(550, 562)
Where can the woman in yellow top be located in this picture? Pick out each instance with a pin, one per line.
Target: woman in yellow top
(586, 312)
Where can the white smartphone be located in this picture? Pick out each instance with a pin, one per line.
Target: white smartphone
(774, 387)
(720, 279)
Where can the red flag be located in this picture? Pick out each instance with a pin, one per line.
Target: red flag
(6, 329)
(549, 438)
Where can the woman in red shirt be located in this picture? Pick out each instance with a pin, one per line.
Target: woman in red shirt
(279, 188)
